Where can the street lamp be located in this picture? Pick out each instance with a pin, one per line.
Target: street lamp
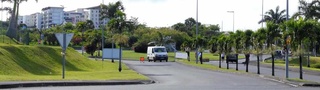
(233, 18)
(197, 27)
(287, 51)
(262, 14)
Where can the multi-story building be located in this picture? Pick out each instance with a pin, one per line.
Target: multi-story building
(20, 19)
(33, 20)
(93, 14)
(27, 20)
(52, 16)
(74, 16)
(37, 20)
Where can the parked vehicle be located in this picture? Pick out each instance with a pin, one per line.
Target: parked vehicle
(231, 58)
(155, 53)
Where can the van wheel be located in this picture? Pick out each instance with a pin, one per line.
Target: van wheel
(166, 60)
(154, 59)
(160, 60)
(148, 59)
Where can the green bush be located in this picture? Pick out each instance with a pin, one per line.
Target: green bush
(316, 65)
(140, 47)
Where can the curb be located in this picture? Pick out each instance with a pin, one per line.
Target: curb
(70, 83)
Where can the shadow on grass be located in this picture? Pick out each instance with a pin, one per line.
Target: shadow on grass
(27, 63)
(58, 58)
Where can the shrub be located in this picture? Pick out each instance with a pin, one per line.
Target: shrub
(90, 48)
(140, 47)
(316, 66)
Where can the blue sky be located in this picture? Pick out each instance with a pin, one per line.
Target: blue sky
(163, 13)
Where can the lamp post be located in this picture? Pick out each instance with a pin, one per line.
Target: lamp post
(262, 14)
(233, 19)
(197, 27)
(287, 51)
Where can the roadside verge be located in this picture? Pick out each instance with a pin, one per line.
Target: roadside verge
(4, 85)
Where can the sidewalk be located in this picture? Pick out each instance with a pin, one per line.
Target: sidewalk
(17, 84)
(266, 71)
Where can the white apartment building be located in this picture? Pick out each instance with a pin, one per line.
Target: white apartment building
(20, 19)
(37, 20)
(52, 16)
(93, 14)
(33, 20)
(74, 16)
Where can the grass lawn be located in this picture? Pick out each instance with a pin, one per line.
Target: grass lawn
(6, 40)
(131, 55)
(294, 62)
(37, 63)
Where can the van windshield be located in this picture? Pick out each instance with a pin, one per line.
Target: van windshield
(159, 50)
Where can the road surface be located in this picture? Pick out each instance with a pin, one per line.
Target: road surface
(174, 76)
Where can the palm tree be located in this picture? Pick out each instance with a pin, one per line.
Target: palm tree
(109, 11)
(258, 40)
(273, 33)
(274, 16)
(308, 10)
(247, 40)
(81, 26)
(221, 46)
(121, 40)
(228, 46)
(238, 45)
(299, 30)
(115, 13)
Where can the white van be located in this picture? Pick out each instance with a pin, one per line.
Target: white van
(157, 53)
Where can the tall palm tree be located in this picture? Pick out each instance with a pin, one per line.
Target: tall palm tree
(115, 13)
(276, 16)
(109, 11)
(308, 10)
(273, 33)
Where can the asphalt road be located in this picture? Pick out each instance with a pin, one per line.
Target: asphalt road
(266, 71)
(174, 76)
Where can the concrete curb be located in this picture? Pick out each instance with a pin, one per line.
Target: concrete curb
(5, 85)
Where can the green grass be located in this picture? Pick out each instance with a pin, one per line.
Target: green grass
(6, 40)
(28, 63)
(294, 62)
